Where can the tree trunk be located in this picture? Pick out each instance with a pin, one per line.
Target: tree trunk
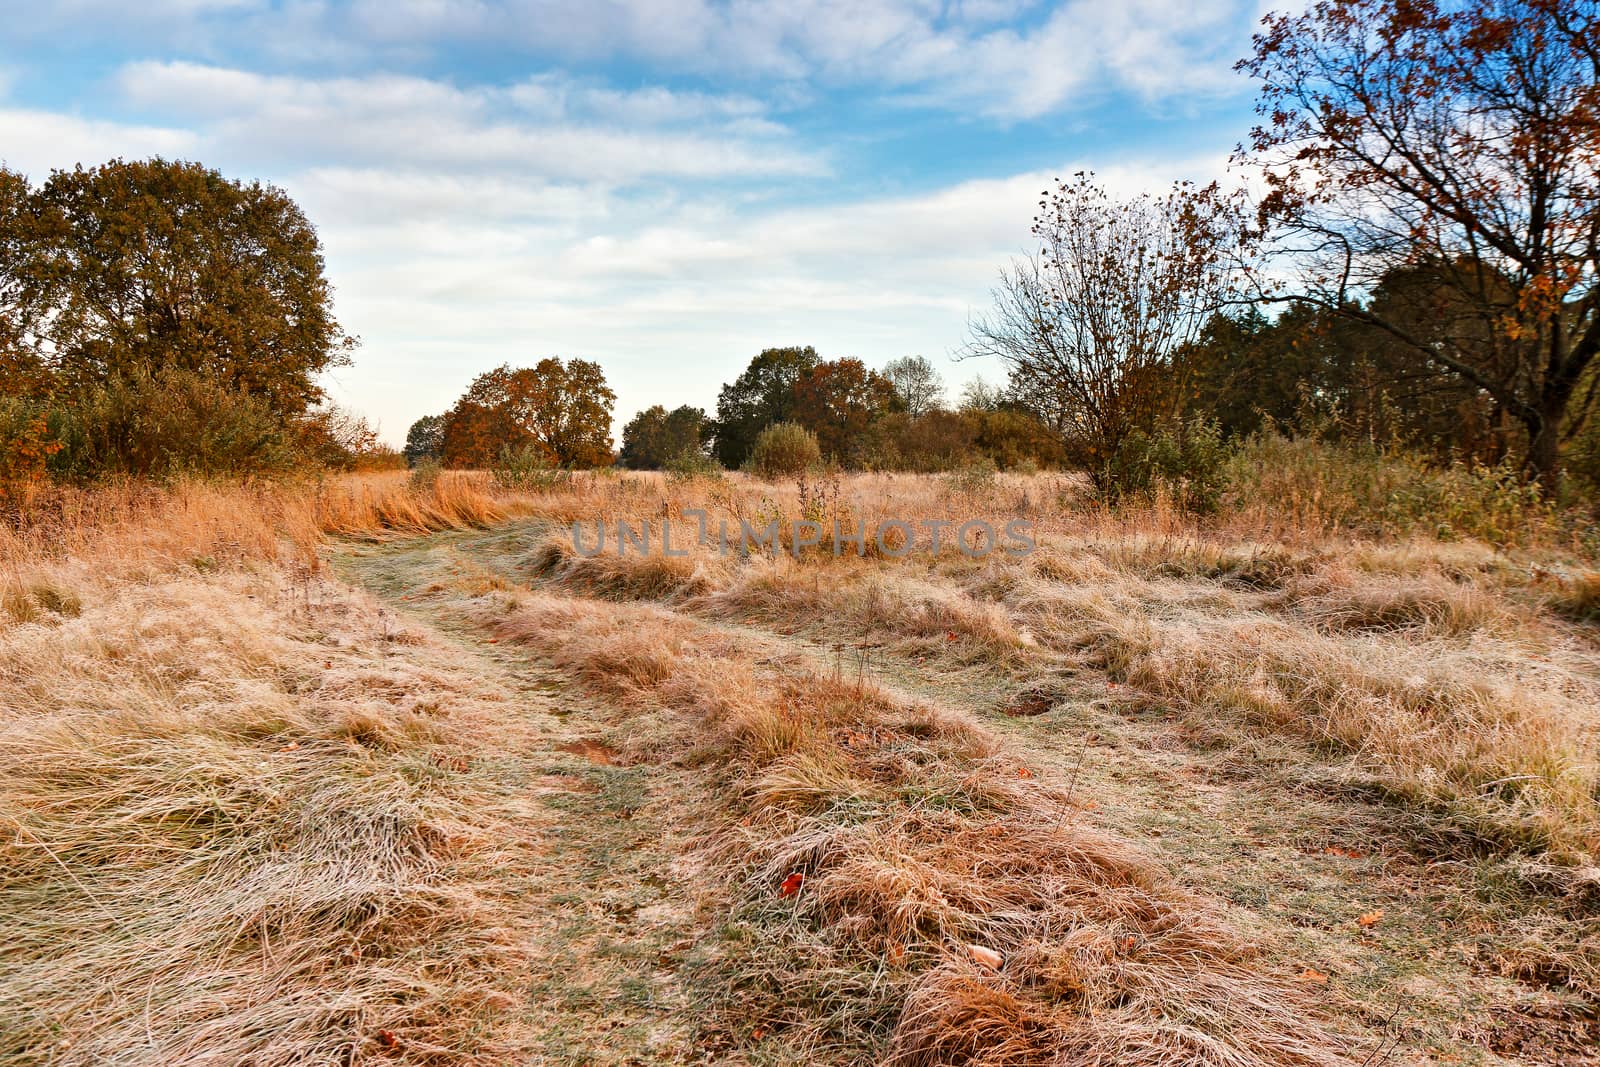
(1543, 461)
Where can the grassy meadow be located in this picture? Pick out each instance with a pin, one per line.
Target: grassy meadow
(380, 768)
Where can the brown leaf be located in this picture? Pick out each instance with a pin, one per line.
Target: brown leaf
(1370, 919)
(1313, 976)
(986, 957)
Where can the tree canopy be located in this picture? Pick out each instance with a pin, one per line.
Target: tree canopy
(761, 396)
(158, 264)
(562, 408)
(1460, 140)
(655, 437)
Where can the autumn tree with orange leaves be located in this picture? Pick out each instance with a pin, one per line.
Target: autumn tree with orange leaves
(561, 408)
(839, 400)
(1457, 141)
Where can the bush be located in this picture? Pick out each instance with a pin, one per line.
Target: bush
(26, 445)
(160, 424)
(527, 468)
(783, 450)
(1190, 462)
(690, 465)
(973, 481)
(425, 474)
(1365, 488)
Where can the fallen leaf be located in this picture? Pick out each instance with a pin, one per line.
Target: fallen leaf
(387, 1039)
(758, 1033)
(1348, 853)
(494, 641)
(791, 885)
(1023, 772)
(1313, 976)
(290, 747)
(985, 956)
(950, 635)
(1127, 943)
(1370, 919)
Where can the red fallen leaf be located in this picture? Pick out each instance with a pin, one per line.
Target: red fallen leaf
(758, 1033)
(1111, 685)
(494, 641)
(897, 952)
(1023, 772)
(1127, 943)
(1313, 976)
(950, 635)
(1370, 919)
(387, 1039)
(791, 885)
(1348, 853)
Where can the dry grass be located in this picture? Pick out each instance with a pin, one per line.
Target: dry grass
(913, 836)
(233, 791)
(1440, 671)
(239, 829)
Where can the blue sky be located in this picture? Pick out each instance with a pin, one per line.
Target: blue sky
(665, 187)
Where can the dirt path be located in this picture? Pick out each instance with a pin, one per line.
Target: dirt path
(617, 913)
(1400, 948)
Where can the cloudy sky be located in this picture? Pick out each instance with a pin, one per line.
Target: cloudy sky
(665, 186)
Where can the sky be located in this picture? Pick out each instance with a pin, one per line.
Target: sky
(663, 186)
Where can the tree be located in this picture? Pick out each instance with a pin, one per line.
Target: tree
(916, 384)
(425, 439)
(564, 409)
(838, 401)
(157, 264)
(761, 396)
(1088, 328)
(655, 436)
(1463, 139)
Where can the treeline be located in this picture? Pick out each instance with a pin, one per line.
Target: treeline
(849, 415)
(156, 317)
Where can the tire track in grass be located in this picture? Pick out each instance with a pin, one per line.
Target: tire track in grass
(903, 948)
(619, 919)
(1418, 975)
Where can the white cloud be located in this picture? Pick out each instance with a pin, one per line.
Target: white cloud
(536, 129)
(671, 296)
(1009, 59)
(34, 142)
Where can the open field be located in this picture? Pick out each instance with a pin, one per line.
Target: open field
(365, 772)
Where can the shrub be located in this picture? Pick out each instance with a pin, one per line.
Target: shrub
(1360, 486)
(1190, 462)
(425, 475)
(974, 480)
(26, 445)
(784, 449)
(528, 468)
(692, 464)
(161, 424)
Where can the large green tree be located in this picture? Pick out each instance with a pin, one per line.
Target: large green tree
(656, 436)
(758, 398)
(425, 439)
(154, 265)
